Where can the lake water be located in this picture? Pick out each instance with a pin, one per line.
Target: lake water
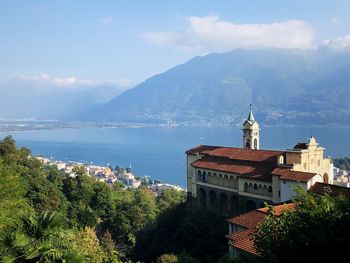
(160, 152)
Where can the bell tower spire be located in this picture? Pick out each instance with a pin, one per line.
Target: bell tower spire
(251, 132)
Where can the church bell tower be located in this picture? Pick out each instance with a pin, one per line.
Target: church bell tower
(251, 132)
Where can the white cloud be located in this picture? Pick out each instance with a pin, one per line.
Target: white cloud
(105, 21)
(74, 81)
(338, 43)
(212, 34)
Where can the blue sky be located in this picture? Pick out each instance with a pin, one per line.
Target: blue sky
(124, 42)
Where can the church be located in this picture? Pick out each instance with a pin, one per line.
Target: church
(233, 180)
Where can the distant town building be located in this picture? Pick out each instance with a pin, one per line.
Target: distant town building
(232, 180)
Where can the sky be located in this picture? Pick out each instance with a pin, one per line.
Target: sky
(87, 43)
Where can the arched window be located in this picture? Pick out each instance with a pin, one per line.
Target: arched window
(270, 189)
(255, 187)
(255, 143)
(325, 178)
(199, 175)
(281, 160)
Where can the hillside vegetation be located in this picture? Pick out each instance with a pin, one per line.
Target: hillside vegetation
(47, 216)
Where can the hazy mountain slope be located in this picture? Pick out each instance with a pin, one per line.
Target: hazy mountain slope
(221, 86)
(217, 84)
(25, 99)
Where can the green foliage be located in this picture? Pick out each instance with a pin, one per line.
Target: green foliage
(12, 201)
(320, 223)
(168, 258)
(169, 198)
(47, 216)
(342, 163)
(38, 238)
(133, 214)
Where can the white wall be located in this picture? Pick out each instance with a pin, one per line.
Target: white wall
(287, 192)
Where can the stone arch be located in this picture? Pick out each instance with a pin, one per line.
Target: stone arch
(246, 187)
(250, 205)
(270, 189)
(220, 179)
(215, 178)
(223, 205)
(199, 175)
(212, 200)
(325, 178)
(204, 175)
(202, 198)
(226, 180)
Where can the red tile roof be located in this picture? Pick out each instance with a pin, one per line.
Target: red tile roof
(334, 190)
(249, 220)
(202, 149)
(238, 153)
(242, 240)
(290, 175)
(251, 170)
(247, 154)
(278, 209)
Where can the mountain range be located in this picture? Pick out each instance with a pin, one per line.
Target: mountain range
(285, 87)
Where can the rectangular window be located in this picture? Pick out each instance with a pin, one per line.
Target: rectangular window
(284, 181)
(279, 193)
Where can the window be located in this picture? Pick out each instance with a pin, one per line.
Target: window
(255, 144)
(284, 181)
(279, 193)
(255, 187)
(305, 166)
(270, 189)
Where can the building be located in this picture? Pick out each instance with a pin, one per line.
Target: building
(243, 226)
(232, 180)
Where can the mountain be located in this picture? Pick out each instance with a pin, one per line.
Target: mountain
(24, 99)
(285, 87)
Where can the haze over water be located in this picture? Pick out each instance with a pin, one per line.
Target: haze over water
(160, 151)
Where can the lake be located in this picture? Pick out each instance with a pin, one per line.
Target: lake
(160, 151)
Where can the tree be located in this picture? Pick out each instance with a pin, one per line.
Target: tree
(318, 226)
(12, 201)
(38, 238)
(169, 198)
(86, 242)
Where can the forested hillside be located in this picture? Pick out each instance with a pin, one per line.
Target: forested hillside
(47, 216)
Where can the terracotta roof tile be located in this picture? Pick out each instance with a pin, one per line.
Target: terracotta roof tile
(249, 220)
(251, 170)
(335, 190)
(247, 154)
(202, 149)
(278, 209)
(290, 175)
(242, 240)
(238, 153)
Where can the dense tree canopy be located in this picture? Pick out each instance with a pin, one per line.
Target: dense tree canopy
(84, 220)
